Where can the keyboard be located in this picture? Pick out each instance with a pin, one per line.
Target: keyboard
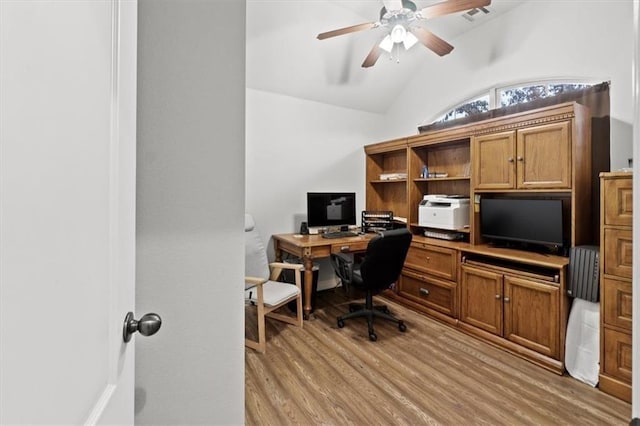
(340, 234)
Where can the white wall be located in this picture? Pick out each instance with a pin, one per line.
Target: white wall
(296, 146)
(540, 39)
(190, 248)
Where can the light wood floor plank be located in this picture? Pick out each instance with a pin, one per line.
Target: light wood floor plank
(432, 374)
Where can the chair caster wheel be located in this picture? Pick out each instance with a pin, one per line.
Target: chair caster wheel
(402, 327)
(340, 323)
(373, 337)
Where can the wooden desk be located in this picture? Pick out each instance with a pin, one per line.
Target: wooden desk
(310, 247)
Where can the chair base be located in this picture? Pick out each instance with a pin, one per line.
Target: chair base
(369, 311)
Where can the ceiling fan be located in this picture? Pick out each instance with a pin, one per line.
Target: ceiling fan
(402, 16)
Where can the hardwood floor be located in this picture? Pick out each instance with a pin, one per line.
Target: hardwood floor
(432, 374)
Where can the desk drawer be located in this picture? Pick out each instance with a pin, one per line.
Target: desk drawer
(350, 247)
(618, 201)
(618, 252)
(434, 260)
(617, 297)
(617, 356)
(428, 291)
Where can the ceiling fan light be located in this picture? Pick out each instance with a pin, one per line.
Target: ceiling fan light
(409, 40)
(398, 34)
(386, 44)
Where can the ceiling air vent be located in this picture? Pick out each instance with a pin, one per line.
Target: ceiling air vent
(469, 16)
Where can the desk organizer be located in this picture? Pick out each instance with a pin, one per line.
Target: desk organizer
(374, 221)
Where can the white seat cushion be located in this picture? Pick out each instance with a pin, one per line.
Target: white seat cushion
(274, 292)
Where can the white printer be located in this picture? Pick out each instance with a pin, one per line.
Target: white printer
(444, 211)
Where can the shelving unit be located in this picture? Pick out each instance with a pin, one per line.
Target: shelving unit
(544, 153)
(386, 158)
(449, 156)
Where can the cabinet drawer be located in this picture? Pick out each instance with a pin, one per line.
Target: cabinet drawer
(438, 261)
(356, 246)
(617, 354)
(618, 201)
(618, 252)
(617, 298)
(428, 291)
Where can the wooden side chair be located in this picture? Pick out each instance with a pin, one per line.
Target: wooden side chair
(262, 288)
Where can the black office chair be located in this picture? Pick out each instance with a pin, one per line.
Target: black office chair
(379, 269)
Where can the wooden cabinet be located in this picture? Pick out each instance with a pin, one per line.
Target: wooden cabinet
(537, 157)
(481, 299)
(532, 315)
(429, 279)
(541, 153)
(494, 165)
(615, 283)
(518, 308)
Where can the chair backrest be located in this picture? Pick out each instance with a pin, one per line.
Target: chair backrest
(384, 258)
(256, 263)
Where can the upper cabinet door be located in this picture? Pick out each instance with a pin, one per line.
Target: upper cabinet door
(544, 156)
(494, 161)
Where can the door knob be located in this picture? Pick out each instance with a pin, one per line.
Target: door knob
(148, 325)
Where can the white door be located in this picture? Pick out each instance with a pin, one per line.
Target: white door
(67, 200)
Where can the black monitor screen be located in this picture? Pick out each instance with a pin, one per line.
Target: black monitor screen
(537, 221)
(331, 208)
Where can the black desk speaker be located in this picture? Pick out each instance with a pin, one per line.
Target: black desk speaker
(304, 229)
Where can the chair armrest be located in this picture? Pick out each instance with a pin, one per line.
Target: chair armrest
(277, 268)
(254, 281)
(343, 267)
(341, 257)
(284, 265)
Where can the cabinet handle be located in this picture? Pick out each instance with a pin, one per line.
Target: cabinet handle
(344, 248)
(510, 159)
(424, 291)
(498, 297)
(428, 259)
(520, 158)
(506, 300)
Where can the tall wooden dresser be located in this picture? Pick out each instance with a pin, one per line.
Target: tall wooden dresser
(615, 283)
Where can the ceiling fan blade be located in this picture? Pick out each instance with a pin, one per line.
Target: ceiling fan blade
(432, 41)
(451, 6)
(392, 4)
(347, 30)
(372, 57)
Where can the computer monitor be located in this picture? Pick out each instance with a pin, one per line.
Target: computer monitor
(330, 209)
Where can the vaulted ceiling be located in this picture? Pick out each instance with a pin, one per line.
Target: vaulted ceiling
(284, 56)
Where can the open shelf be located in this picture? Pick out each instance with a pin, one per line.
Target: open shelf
(450, 178)
(388, 181)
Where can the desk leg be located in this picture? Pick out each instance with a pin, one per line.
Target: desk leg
(308, 285)
(277, 250)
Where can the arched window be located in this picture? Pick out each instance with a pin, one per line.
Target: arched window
(507, 95)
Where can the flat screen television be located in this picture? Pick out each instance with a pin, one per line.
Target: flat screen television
(328, 209)
(518, 220)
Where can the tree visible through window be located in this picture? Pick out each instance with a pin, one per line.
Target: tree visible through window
(475, 106)
(511, 95)
(523, 94)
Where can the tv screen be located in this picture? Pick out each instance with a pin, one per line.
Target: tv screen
(536, 221)
(331, 208)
